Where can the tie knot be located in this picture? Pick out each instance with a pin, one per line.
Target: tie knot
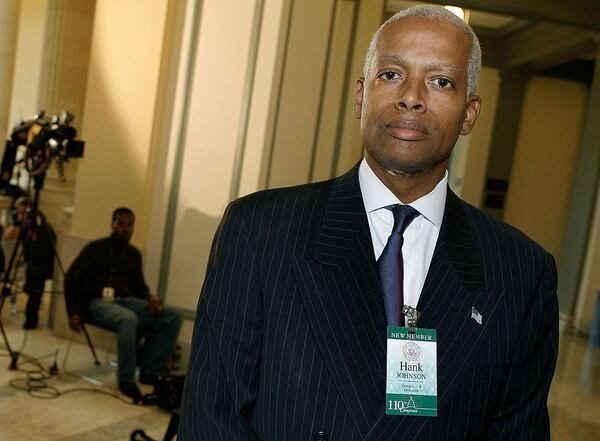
(403, 216)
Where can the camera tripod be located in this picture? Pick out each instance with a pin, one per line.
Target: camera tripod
(33, 221)
(47, 139)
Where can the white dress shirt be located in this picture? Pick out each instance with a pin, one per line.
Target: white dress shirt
(420, 236)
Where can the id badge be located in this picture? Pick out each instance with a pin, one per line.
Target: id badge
(108, 293)
(411, 380)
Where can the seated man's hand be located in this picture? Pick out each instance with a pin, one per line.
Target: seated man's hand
(155, 306)
(75, 322)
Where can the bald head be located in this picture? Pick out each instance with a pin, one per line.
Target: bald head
(434, 13)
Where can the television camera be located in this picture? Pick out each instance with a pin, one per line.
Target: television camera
(44, 138)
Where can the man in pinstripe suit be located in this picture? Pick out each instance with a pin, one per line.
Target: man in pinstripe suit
(290, 337)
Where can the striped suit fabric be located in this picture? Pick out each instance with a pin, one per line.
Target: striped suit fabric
(289, 341)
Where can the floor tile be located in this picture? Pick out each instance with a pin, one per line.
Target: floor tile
(79, 411)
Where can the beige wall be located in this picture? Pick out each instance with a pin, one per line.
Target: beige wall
(313, 111)
(173, 76)
(119, 114)
(333, 92)
(370, 17)
(261, 120)
(590, 281)
(479, 140)
(301, 88)
(28, 59)
(209, 142)
(9, 32)
(285, 127)
(544, 162)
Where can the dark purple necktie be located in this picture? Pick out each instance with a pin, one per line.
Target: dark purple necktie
(390, 263)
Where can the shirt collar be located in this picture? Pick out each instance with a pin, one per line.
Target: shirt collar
(377, 196)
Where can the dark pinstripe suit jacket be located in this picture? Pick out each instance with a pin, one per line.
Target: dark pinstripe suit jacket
(290, 336)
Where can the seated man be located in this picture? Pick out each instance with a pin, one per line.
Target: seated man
(106, 286)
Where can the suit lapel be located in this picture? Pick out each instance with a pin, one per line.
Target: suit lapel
(453, 286)
(340, 288)
(454, 296)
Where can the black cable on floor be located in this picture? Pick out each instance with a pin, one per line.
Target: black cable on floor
(36, 381)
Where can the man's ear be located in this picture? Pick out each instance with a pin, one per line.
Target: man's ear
(358, 97)
(471, 114)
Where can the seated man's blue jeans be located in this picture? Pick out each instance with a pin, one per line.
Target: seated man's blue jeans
(130, 317)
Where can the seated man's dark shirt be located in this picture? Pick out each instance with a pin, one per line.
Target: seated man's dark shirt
(107, 262)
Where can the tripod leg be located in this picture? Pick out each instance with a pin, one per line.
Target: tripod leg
(7, 286)
(14, 356)
(173, 426)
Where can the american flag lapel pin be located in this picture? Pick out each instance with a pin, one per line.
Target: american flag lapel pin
(476, 316)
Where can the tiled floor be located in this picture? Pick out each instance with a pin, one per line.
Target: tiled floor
(68, 409)
(81, 412)
(575, 395)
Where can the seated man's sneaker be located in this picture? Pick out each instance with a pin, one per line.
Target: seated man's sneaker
(131, 390)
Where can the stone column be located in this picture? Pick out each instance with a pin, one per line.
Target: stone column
(62, 86)
(9, 24)
(348, 143)
(578, 273)
(66, 56)
(503, 142)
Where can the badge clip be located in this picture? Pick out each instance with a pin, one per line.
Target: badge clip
(412, 315)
